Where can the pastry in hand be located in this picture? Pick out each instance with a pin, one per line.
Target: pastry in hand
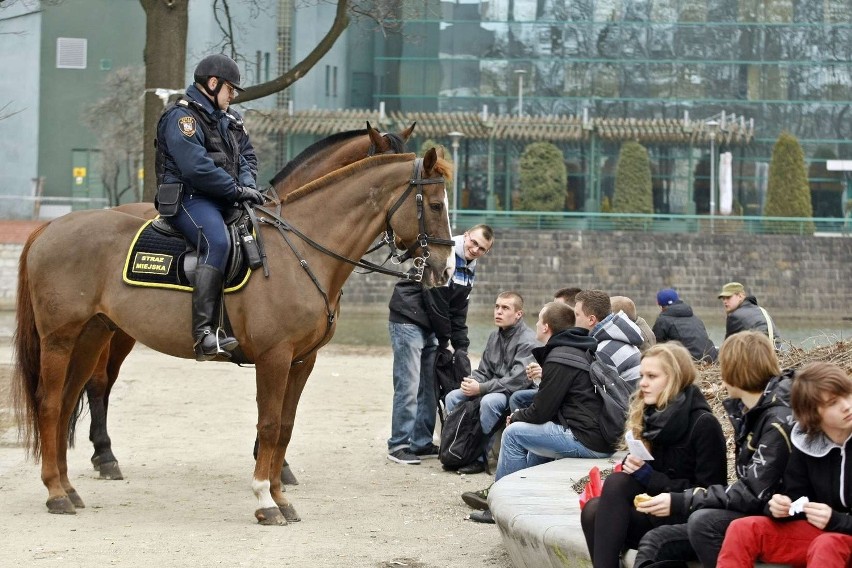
(641, 498)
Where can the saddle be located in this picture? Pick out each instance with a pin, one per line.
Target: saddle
(160, 256)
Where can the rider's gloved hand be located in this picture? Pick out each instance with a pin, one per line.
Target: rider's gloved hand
(249, 194)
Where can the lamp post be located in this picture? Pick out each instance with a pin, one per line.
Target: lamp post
(455, 136)
(712, 126)
(520, 73)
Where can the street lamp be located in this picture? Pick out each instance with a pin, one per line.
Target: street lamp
(520, 73)
(712, 126)
(455, 136)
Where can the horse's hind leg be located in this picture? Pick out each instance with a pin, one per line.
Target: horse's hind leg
(81, 362)
(55, 357)
(97, 391)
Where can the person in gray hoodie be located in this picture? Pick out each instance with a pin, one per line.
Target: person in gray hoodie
(502, 368)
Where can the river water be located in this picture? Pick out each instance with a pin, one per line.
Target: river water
(369, 327)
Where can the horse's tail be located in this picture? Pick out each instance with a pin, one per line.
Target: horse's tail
(27, 348)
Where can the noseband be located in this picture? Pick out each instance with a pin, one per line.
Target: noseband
(423, 239)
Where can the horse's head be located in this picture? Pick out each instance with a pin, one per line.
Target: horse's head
(424, 230)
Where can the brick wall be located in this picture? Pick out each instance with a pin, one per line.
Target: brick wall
(793, 275)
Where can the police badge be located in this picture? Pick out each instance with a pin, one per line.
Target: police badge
(187, 126)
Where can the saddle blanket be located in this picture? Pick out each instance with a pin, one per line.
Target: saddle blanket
(158, 260)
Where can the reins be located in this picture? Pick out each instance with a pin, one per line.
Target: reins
(423, 239)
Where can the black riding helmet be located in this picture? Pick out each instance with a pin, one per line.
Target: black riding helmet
(221, 66)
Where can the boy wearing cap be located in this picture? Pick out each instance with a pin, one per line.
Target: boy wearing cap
(744, 313)
(677, 322)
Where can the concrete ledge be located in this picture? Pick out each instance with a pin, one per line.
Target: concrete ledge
(538, 515)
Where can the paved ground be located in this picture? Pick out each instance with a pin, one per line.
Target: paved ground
(183, 433)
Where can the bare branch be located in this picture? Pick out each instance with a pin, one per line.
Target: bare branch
(341, 21)
(4, 114)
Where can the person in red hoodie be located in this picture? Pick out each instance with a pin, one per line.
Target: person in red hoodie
(811, 522)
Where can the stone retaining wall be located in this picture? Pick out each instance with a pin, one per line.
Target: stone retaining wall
(793, 275)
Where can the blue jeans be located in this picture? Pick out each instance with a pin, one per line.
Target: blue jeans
(491, 407)
(527, 445)
(415, 401)
(521, 399)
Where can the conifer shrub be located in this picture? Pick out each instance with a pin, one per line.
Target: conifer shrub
(633, 188)
(788, 193)
(543, 178)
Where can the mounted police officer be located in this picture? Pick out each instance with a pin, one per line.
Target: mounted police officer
(201, 175)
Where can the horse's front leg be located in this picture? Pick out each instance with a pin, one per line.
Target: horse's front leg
(295, 385)
(271, 377)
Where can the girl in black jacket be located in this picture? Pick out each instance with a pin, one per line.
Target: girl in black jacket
(671, 417)
(819, 533)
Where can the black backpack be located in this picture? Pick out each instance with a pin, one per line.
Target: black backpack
(613, 391)
(462, 438)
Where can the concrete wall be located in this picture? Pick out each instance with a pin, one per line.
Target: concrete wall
(808, 277)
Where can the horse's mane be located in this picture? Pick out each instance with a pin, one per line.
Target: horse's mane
(315, 147)
(442, 167)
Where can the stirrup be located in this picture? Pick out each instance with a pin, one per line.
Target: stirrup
(221, 349)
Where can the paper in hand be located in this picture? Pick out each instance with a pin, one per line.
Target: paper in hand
(637, 448)
(798, 506)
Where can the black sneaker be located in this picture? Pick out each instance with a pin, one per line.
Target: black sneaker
(404, 456)
(476, 499)
(430, 451)
(482, 517)
(471, 468)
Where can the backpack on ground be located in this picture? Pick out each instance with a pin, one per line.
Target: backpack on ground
(462, 438)
(613, 391)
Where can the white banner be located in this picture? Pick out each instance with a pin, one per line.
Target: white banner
(726, 183)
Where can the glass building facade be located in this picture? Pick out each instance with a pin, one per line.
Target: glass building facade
(785, 64)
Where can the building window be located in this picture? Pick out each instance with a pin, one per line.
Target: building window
(71, 52)
(334, 81)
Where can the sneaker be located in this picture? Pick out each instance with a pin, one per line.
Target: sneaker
(471, 468)
(404, 456)
(482, 517)
(430, 451)
(476, 499)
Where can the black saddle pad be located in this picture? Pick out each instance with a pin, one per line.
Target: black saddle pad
(157, 260)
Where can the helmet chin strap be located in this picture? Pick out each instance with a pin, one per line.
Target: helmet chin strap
(214, 94)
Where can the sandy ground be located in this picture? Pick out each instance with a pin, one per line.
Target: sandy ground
(183, 433)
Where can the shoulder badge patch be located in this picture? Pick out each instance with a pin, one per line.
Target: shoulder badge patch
(187, 126)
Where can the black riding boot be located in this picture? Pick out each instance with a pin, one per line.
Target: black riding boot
(206, 298)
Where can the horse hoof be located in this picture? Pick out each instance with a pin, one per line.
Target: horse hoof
(270, 516)
(287, 477)
(76, 500)
(289, 512)
(110, 471)
(61, 505)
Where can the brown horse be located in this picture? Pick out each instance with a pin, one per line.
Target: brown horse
(322, 157)
(71, 298)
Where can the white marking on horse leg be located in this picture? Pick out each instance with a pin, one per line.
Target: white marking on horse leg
(260, 488)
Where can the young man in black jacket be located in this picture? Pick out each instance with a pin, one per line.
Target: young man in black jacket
(562, 420)
(420, 320)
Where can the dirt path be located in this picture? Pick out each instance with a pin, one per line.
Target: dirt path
(183, 433)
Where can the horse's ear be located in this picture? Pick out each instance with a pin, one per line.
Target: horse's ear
(406, 134)
(440, 151)
(430, 159)
(377, 139)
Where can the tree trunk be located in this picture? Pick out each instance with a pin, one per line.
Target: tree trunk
(165, 59)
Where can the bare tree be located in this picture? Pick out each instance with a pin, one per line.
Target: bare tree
(165, 55)
(118, 116)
